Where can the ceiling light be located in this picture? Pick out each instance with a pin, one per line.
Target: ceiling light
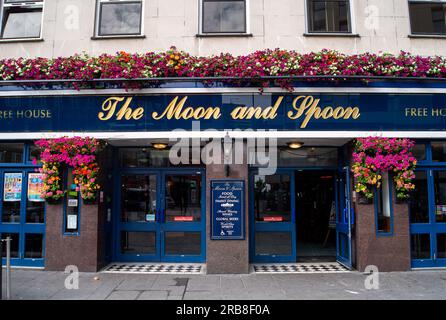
(159, 146)
(295, 145)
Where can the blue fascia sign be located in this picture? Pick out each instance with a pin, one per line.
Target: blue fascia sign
(282, 112)
(227, 209)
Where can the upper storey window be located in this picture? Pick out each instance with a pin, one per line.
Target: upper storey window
(118, 18)
(21, 19)
(228, 16)
(428, 17)
(329, 16)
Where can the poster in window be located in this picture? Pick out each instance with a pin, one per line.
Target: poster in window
(12, 187)
(35, 186)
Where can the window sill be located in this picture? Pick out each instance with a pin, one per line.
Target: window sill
(334, 34)
(117, 37)
(216, 35)
(427, 36)
(21, 40)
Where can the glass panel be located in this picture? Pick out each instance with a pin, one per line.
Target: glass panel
(383, 206)
(418, 202)
(34, 153)
(138, 198)
(224, 16)
(14, 244)
(329, 16)
(421, 246)
(11, 152)
(439, 151)
(309, 157)
(441, 245)
(12, 195)
(440, 195)
(143, 157)
(183, 243)
(272, 198)
(419, 151)
(72, 205)
(138, 242)
(35, 212)
(33, 245)
(120, 18)
(273, 243)
(11, 212)
(21, 23)
(344, 245)
(428, 18)
(183, 198)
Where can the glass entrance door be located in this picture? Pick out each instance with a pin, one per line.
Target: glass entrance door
(344, 219)
(427, 209)
(162, 216)
(273, 217)
(22, 217)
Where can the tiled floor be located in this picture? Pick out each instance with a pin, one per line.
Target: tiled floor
(153, 268)
(331, 267)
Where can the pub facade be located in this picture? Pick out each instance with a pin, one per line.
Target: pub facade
(226, 160)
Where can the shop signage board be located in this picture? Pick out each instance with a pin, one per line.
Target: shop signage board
(227, 210)
(282, 112)
(12, 187)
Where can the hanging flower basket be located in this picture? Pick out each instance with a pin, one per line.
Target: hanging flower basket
(76, 152)
(375, 156)
(54, 202)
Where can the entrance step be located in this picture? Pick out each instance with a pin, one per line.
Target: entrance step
(330, 267)
(155, 268)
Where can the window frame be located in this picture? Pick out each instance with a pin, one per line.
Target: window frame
(26, 4)
(376, 206)
(97, 20)
(222, 33)
(352, 21)
(423, 34)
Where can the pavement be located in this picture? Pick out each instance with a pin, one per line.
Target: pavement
(43, 285)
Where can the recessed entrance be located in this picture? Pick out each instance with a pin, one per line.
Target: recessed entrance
(315, 216)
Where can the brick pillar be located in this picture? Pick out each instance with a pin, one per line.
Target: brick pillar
(388, 253)
(79, 250)
(226, 256)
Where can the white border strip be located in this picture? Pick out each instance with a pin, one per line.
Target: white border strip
(137, 136)
(250, 90)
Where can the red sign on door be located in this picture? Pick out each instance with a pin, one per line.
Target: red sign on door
(183, 218)
(273, 219)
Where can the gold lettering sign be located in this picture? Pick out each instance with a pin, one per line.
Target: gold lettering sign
(177, 111)
(309, 107)
(110, 106)
(303, 107)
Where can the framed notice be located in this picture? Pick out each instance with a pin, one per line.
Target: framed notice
(12, 187)
(228, 209)
(35, 186)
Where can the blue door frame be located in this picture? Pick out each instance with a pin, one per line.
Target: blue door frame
(343, 214)
(22, 228)
(432, 228)
(289, 226)
(344, 218)
(160, 226)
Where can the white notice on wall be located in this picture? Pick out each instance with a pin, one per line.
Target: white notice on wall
(72, 222)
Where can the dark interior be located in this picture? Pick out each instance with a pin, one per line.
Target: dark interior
(315, 218)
